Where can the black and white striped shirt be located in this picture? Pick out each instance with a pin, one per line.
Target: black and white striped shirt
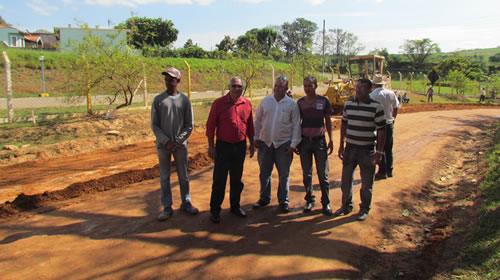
(362, 120)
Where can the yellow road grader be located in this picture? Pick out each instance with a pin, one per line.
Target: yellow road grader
(339, 90)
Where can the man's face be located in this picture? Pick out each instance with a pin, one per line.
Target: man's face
(280, 87)
(309, 87)
(236, 88)
(362, 91)
(171, 83)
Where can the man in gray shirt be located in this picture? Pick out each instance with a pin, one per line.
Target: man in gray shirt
(172, 124)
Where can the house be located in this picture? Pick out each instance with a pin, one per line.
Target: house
(69, 36)
(11, 37)
(49, 40)
(32, 41)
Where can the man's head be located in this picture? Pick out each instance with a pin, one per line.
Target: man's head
(172, 78)
(310, 85)
(236, 85)
(280, 86)
(378, 81)
(363, 89)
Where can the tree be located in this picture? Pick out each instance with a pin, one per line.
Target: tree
(266, 38)
(226, 45)
(494, 58)
(107, 66)
(2, 21)
(189, 43)
(419, 50)
(342, 44)
(459, 81)
(306, 63)
(297, 37)
(473, 67)
(247, 43)
(149, 32)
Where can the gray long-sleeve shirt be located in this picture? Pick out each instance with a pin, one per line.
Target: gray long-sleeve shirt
(171, 118)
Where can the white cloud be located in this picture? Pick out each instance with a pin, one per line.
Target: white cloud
(136, 3)
(41, 7)
(1, 7)
(317, 2)
(205, 40)
(253, 1)
(67, 2)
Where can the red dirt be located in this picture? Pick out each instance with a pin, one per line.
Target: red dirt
(114, 234)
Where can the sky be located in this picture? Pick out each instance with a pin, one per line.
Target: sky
(452, 24)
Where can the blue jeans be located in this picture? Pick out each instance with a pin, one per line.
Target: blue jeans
(386, 163)
(353, 157)
(317, 148)
(229, 158)
(267, 157)
(180, 157)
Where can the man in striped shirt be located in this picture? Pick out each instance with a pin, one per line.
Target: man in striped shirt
(363, 129)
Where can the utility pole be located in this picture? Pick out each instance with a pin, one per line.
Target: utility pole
(323, 48)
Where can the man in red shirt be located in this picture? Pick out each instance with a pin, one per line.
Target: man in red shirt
(231, 122)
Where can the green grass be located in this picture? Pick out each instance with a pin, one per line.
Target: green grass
(482, 257)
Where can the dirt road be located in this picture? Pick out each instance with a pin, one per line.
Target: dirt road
(115, 235)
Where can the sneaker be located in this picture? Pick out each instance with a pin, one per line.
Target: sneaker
(343, 211)
(259, 204)
(327, 210)
(389, 174)
(189, 208)
(239, 212)
(362, 215)
(284, 208)
(309, 206)
(165, 214)
(380, 176)
(215, 218)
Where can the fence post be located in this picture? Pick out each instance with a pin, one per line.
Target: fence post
(89, 95)
(272, 81)
(439, 88)
(145, 86)
(8, 83)
(189, 78)
(400, 80)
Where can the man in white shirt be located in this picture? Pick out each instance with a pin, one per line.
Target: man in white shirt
(390, 102)
(277, 134)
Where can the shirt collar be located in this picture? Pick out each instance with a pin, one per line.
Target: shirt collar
(229, 99)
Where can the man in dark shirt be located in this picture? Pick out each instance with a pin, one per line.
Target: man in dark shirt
(315, 112)
(231, 121)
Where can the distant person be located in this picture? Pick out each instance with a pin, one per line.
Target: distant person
(363, 132)
(315, 111)
(231, 122)
(482, 97)
(277, 134)
(405, 98)
(430, 94)
(390, 102)
(172, 124)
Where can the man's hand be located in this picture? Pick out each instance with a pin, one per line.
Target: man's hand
(258, 143)
(290, 150)
(330, 147)
(252, 149)
(211, 152)
(375, 158)
(170, 146)
(341, 152)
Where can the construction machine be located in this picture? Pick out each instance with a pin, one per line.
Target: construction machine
(340, 89)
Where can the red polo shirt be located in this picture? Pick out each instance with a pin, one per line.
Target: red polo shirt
(232, 120)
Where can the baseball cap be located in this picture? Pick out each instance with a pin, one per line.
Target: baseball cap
(172, 72)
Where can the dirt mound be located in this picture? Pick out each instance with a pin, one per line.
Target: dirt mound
(30, 202)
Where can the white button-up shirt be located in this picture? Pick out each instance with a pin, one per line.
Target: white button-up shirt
(389, 101)
(277, 122)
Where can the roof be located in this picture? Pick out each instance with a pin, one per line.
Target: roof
(31, 37)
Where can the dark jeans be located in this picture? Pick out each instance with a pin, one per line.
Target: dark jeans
(317, 148)
(352, 158)
(229, 158)
(386, 163)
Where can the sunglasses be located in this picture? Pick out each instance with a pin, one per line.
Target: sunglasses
(237, 86)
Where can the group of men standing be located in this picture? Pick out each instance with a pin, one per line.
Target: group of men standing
(281, 128)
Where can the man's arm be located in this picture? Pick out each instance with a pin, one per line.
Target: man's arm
(328, 124)
(343, 133)
(257, 124)
(296, 130)
(188, 123)
(155, 125)
(210, 132)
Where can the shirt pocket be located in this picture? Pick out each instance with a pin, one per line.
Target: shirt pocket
(285, 116)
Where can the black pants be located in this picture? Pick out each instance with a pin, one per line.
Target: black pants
(228, 158)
